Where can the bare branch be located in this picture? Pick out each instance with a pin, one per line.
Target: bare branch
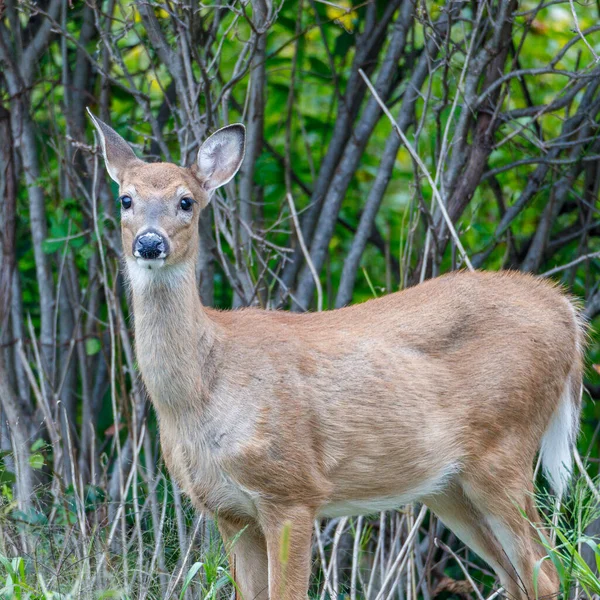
(423, 168)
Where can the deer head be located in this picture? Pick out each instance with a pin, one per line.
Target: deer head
(161, 202)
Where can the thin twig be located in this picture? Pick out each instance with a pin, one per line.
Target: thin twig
(306, 253)
(571, 264)
(423, 168)
(464, 569)
(403, 552)
(588, 479)
(576, 21)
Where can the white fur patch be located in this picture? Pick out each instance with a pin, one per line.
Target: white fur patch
(150, 263)
(369, 506)
(507, 541)
(141, 275)
(472, 535)
(557, 443)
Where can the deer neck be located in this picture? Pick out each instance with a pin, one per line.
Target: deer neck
(174, 336)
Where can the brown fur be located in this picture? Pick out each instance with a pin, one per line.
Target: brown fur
(440, 393)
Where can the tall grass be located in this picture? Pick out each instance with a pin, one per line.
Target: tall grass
(574, 552)
(73, 544)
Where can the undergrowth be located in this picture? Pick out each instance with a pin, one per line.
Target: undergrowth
(54, 556)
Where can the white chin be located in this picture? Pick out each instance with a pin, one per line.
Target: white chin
(153, 263)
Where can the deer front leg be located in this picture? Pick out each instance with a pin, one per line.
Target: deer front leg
(288, 532)
(247, 550)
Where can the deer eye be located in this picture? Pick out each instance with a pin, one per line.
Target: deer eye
(126, 202)
(186, 204)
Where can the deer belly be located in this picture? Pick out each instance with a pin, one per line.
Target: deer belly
(371, 505)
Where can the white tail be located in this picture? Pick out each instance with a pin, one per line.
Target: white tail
(558, 441)
(442, 393)
(559, 438)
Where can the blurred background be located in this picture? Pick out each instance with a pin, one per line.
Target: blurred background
(499, 102)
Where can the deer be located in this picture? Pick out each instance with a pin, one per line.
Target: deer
(443, 393)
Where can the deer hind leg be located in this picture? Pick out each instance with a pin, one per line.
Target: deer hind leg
(468, 523)
(502, 502)
(247, 551)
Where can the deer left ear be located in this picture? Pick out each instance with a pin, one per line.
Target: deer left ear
(221, 156)
(118, 154)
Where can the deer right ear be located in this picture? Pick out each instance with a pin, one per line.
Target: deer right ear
(220, 156)
(118, 154)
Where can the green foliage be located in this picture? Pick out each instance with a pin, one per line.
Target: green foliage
(15, 586)
(568, 526)
(213, 575)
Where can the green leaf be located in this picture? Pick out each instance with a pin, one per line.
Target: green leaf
(92, 346)
(343, 43)
(7, 477)
(36, 461)
(188, 578)
(38, 445)
(319, 67)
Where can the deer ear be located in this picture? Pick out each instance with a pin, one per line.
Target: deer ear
(118, 154)
(221, 155)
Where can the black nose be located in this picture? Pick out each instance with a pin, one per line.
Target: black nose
(150, 245)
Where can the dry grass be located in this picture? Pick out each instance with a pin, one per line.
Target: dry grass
(78, 544)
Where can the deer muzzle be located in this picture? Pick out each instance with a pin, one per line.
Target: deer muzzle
(150, 245)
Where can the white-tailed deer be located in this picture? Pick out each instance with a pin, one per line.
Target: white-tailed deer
(442, 393)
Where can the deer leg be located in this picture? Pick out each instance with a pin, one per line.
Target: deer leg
(467, 522)
(548, 579)
(289, 538)
(502, 502)
(247, 550)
